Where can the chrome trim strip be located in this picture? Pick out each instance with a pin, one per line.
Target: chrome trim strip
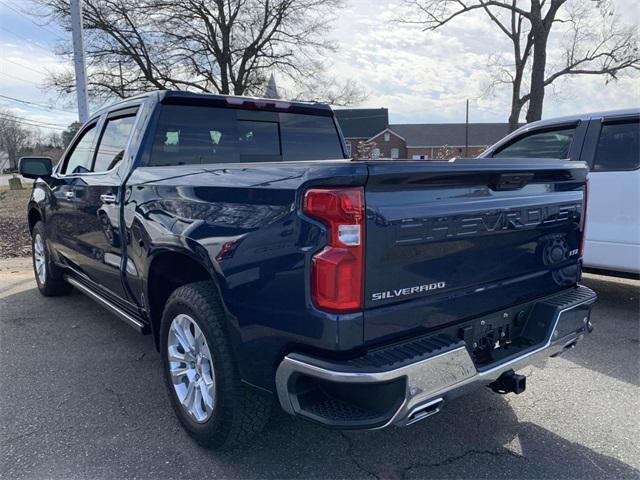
(107, 304)
(428, 381)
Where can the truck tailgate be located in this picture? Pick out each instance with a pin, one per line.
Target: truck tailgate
(449, 240)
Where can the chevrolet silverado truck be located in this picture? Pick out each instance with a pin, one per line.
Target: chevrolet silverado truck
(267, 266)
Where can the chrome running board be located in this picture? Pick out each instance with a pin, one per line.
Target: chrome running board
(124, 316)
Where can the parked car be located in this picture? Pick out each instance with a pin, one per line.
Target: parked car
(609, 142)
(267, 265)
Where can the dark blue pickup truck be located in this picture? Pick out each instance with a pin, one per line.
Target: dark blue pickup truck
(268, 266)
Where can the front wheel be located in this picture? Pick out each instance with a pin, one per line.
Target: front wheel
(201, 375)
(48, 276)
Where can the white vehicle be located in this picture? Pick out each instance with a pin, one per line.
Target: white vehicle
(609, 143)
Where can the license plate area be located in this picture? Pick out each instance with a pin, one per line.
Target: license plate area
(494, 337)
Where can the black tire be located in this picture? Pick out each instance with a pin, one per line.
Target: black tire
(52, 284)
(239, 411)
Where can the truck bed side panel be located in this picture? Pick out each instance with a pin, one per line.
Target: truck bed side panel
(242, 222)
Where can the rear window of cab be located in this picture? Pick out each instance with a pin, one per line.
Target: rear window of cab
(187, 135)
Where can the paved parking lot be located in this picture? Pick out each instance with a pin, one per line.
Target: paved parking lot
(81, 396)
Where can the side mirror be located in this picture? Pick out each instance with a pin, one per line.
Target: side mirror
(35, 167)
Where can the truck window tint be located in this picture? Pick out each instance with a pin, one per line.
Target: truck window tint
(547, 144)
(113, 142)
(618, 147)
(258, 141)
(309, 137)
(200, 135)
(79, 160)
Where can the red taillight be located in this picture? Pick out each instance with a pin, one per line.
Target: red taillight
(337, 270)
(584, 216)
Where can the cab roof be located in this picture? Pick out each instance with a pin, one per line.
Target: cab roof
(177, 97)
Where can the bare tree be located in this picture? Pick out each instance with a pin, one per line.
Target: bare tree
(593, 42)
(68, 134)
(54, 140)
(327, 89)
(220, 46)
(14, 138)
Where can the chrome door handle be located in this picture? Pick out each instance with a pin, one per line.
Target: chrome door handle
(69, 195)
(108, 198)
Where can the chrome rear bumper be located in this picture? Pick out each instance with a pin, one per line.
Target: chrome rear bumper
(384, 395)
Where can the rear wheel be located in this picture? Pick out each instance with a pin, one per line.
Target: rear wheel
(48, 276)
(201, 375)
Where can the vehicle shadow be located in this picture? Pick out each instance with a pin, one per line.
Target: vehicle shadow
(104, 412)
(614, 347)
(478, 436)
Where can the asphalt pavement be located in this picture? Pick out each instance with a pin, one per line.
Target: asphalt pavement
(81, 396)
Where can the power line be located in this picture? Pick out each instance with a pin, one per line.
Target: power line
(25, 39)
(30, 124)
(24, 66)
(21, 119)
(26, 102)
(20, 78)
(23, 14)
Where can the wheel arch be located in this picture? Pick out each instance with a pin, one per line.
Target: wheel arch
(168, 270)
(33, 216)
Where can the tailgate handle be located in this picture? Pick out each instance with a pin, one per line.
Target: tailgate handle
(511, 181)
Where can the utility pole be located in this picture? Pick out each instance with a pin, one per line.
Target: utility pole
(121, 81)
(79, 59)
(466, 133)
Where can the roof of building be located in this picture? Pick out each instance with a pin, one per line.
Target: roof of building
(451, 134)
(362, 122)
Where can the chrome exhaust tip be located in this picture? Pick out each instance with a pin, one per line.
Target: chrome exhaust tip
(425, 411)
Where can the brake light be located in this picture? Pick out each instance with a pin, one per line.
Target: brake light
(258, 103)
(337, 270)
(584, 216)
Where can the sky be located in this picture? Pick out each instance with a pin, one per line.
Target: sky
(421, 77)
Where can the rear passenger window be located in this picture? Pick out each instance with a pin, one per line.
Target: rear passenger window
(113, 142)
(618, 147)
(547, 144)
(202, 135)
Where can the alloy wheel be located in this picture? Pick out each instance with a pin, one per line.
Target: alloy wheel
(39, 257)
(191, 368)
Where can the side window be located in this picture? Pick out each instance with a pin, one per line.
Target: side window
(79, 159)
(113, 142)
(618, 147)
(547, 144)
